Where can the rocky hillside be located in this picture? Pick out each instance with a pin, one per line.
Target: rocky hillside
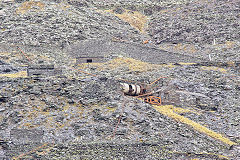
(54, 107)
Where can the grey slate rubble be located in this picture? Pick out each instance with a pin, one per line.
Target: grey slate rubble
(216, 21)
(60, 27)
(139, 120)
(201, 25)
(76, 114)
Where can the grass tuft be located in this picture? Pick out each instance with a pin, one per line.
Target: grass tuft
(26, 6)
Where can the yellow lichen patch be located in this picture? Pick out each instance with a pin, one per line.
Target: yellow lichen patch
(214, 69)
(134, 18)
(26, 6)
(66, 107)
(179, 110)
(166, 110)
(1, 118)
(22, 74)
(45, 151)
(132, 64)
(5, 54)
(226, 45)
(136, 65)
(186, 48)
(185, 64)
(63, 5)
(86, 65)
(231, 64)
(169, 65)
(73, 60)
(39, 109)
(45, 113)
(23, 65)
(111, 109)
(230, 44)
(29, 125)
(164, 11)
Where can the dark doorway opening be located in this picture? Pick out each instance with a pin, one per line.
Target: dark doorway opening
(89, 60)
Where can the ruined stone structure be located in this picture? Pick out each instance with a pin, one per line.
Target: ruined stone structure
(47, 70)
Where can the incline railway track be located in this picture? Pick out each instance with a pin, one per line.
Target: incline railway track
(154, 54)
